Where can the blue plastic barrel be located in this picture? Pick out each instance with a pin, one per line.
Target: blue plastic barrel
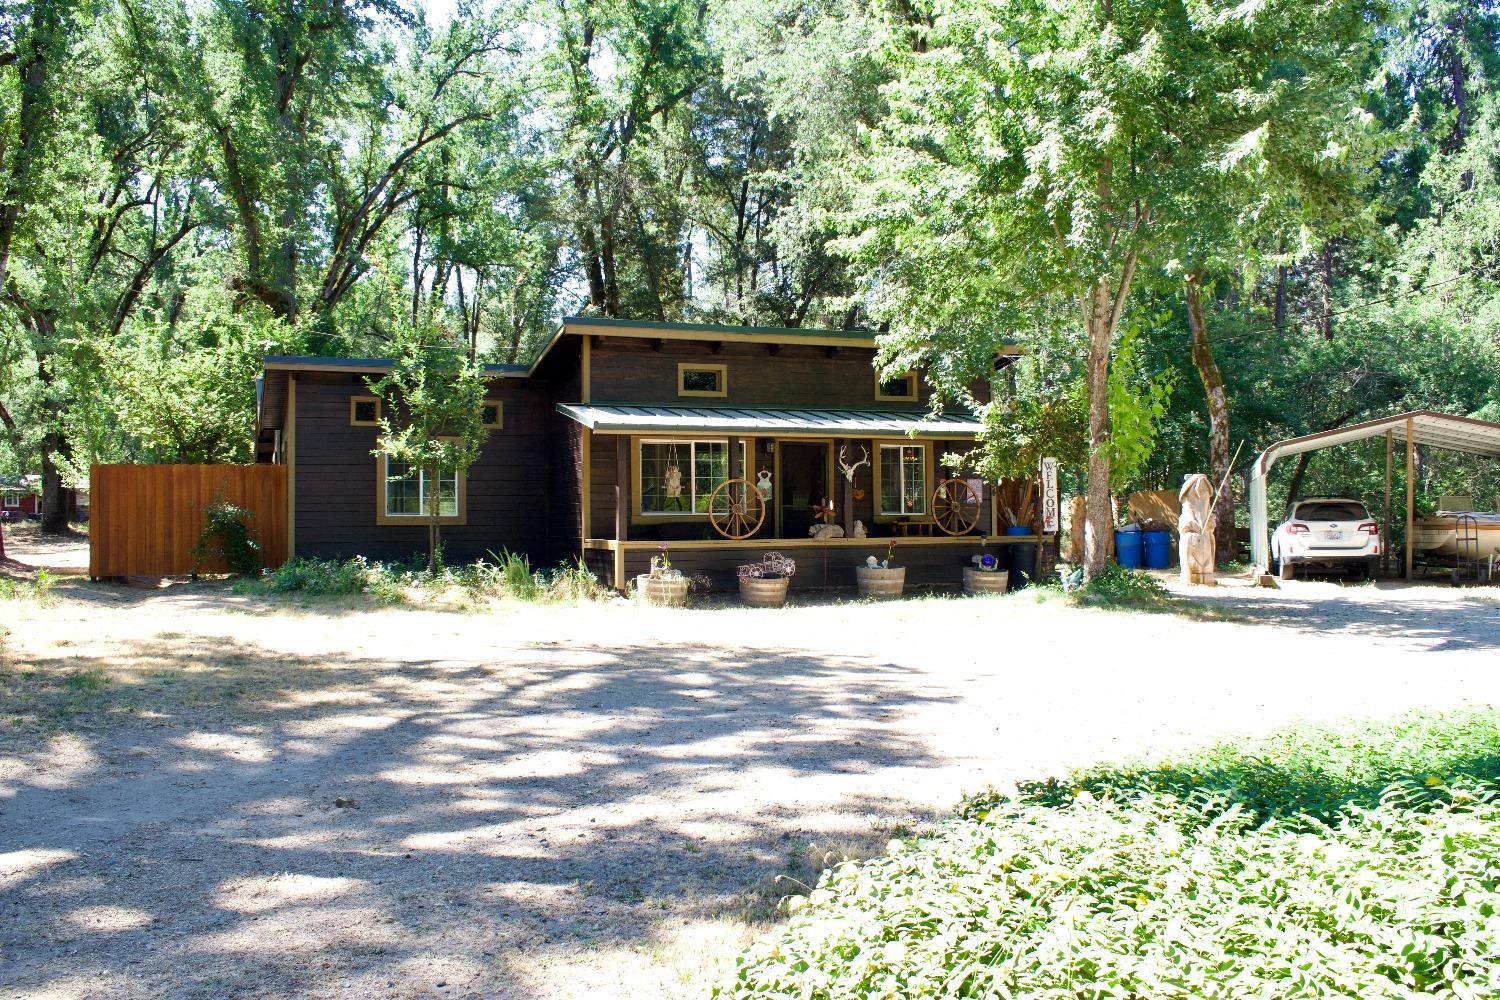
(1128, 549)
(1017, 529)
(1158, 548)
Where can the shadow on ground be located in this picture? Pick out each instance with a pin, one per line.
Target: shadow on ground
(1430, 617)
(285, 827)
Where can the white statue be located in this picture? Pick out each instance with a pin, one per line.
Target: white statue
(1195, 532)
(822, 531)
(859, 530)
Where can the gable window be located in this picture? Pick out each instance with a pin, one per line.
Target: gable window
(677, 477)
(492, 414)
(403, 492)
(903, 480)
(364, 411)
(897, 389)
(702, 380)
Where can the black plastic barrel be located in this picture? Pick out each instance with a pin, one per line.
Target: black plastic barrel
(1021, 565)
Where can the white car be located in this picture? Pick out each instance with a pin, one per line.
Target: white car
(1326, 532)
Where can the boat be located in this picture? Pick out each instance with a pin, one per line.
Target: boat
(1438, 534)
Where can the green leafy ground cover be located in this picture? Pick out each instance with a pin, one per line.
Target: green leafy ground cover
(1350, 860)
(504, 576)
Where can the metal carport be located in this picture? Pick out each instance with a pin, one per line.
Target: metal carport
(1419, 427)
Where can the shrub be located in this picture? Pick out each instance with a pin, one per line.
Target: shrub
(226, 535)
(331, 577)
(507, 575)
(1122, 588)
(1140, 891)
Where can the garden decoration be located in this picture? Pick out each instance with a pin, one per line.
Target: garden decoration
(736, 509)
(823, 511)
(671, 482)
(848, 468)
(859, 528)
(665, 584)
(822, 531)
(880, 577)
(955, 506)
(985, 575)
(763, 484)
(764, 584)
(1195, 531)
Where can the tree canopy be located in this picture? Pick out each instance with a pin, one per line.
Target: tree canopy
(1291, 209)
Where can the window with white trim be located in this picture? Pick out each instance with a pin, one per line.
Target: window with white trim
(406, 490)
(677, 477)
(12, 499)
(903, 480)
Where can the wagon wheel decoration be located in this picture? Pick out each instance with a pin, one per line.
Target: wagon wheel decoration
(736, 509)
(955, 507)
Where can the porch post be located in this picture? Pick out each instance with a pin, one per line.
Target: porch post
(622, 487)
(1385, 550)
(736, 469)
(847, 499)
(1411, 487)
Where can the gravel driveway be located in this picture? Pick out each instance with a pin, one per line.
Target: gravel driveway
(233, 797)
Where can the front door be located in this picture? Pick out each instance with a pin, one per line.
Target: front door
(804, 485)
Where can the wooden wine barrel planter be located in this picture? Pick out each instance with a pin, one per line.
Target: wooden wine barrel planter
(879, 582)
(764, 591)
(978, 581)
(667, 591)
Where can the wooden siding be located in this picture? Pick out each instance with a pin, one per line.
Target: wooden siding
(636, 371)
(335, 488)
(145, 520)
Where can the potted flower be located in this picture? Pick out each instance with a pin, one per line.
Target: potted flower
(881, 577)
(665, 584)
(763, 584)
(985, 575)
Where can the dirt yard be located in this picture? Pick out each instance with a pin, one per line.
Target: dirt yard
(208, 795)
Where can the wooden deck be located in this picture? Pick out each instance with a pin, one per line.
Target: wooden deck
(929, 562)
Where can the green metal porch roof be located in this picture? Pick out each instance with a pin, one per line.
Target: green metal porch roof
(620, 419)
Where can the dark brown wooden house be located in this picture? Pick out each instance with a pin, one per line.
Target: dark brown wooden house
(624, 437)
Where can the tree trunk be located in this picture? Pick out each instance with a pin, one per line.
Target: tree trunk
(1326, 269)
(54, 494)
(1278, 309)
(1218, 410)
(1098, 523)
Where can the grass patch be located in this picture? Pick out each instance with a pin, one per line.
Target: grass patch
(1353, 860)
(36, 590)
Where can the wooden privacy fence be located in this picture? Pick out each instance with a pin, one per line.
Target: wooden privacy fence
(145, 520)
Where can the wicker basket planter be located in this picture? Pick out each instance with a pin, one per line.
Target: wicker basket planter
(668, 591)
(877, 581)
(980, 581)
(764, 591)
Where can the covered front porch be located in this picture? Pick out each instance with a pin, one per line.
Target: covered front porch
(718, 487)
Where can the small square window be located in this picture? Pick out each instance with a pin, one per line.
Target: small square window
(492, 414)
(702, 380)
(901, 388)
(364, 411)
